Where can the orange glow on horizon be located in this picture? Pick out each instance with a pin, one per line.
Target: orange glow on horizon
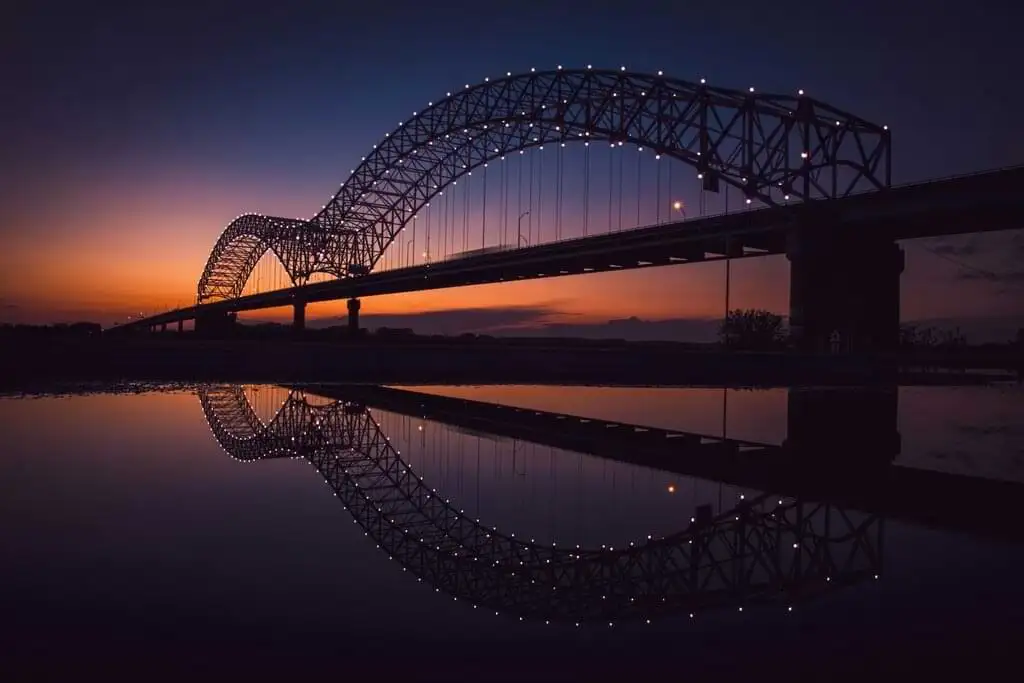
(139, 244)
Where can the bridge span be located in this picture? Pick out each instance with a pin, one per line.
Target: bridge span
(827, 245)
(821, 174)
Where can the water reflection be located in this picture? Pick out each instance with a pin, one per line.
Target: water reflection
(839, 445)
(764, 549)
(179, 554)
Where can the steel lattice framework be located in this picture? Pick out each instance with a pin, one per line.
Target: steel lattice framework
(770, 147)
(764, 551)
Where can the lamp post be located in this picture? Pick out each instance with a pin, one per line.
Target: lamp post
(680, 207)
(519, 228)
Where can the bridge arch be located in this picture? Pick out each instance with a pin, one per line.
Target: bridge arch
(244, 242)
(761, 552)
(769, 147)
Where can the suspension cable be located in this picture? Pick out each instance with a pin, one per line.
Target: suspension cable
(483, 223)
(529, 216)
(611, 184)
(658, 189)
(558, 193)
(444, 227)
(670, 192)
(622, 158)
(540, 192)
(639, 151)
(519, 192)
(503, 195)
(465, 214)
(586, 186)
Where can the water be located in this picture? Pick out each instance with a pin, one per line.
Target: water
(135, 534)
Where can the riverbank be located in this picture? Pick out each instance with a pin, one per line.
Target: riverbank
(454, 362)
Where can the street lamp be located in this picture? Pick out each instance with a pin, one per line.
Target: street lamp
(680, 207)
(519, 228)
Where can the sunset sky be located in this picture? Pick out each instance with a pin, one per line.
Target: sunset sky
(133, 136)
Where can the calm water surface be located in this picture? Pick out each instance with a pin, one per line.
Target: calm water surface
(174, 529)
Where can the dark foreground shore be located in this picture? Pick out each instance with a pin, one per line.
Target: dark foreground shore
(193, 360)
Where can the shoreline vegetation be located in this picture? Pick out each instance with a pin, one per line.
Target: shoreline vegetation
(172, 357)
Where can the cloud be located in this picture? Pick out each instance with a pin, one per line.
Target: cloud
(631, 329)
(457, 321)
(947, 249)
(993, 245)
(1003, 278)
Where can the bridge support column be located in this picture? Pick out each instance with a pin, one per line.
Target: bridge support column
(215, 324)
(353, 316)
(299, 316)
(845, 283)
(163, 327)
(181, 326)
(831, 426)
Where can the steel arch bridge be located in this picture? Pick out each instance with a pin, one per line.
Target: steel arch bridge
(772, 148)
(765, 551)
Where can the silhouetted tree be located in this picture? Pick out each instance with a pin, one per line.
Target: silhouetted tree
(953, 339)
(914, 337)
(80, 329)
(752, 329)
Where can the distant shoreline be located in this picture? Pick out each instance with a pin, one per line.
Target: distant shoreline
(169, 359)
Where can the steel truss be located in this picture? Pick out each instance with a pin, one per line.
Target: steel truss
(766, 550)
(770, 147)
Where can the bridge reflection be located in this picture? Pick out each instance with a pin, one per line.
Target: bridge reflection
(841, 446)
(765, 550)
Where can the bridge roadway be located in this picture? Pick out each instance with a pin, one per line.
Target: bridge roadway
(861, 481)
(981, 202)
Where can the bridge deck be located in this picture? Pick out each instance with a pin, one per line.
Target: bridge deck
(951, 502)
(976, 203)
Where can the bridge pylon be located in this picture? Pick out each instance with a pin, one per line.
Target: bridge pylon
(844, 294)
(353, 316)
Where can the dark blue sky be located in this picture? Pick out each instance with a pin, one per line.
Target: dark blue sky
(191, 76)
(265, 107)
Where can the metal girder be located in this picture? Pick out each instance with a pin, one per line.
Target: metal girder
(770, 147)
(296, 243)
(766, 550)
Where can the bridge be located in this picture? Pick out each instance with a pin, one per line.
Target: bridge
(812, 182)
(764, 551)
(840, 447)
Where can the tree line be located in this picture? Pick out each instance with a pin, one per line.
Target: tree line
(758, 329)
